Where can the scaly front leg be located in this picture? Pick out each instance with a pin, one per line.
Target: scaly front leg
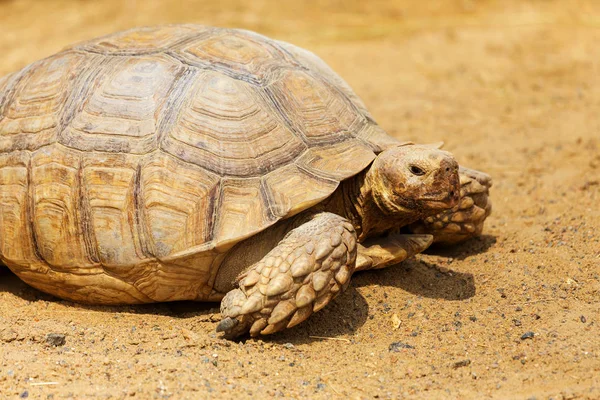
(311, 265)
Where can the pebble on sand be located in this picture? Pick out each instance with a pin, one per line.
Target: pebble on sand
(55, 339)
(396, 346)
(527, 335)
(461, 363)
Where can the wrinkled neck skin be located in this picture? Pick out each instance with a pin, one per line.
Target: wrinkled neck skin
(371, 216)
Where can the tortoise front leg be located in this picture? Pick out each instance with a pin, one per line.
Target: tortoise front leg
(466, 219)
(311, 265)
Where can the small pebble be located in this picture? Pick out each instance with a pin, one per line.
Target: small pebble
(288, 346)
(396, 322)
(396, 346)
(527, 335)
(55, 339)
(24, 395)
(583, 319)
(461, 363)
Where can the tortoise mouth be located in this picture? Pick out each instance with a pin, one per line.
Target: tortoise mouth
(447, 193)
(441, 201)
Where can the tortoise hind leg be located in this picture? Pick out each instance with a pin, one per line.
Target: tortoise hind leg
(309, 267)
(466, 219)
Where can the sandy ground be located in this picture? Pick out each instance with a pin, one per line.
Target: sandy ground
(512, 87)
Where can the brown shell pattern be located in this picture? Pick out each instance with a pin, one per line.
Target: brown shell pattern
(131, 163)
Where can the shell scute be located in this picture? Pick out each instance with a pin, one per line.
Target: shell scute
(31, 114)
(291, 189)
(16, 242)
(240, 54)
(318, 113)
(122, 108)
(371, 133)
(55, 208)
(242, 211)
(338, 160)
(227, 129)
(177, 212)
(143, 40)
(109, 185)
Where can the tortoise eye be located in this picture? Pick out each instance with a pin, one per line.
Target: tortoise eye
(416, 170)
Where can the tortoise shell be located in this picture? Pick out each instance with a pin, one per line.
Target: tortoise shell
(130, 164)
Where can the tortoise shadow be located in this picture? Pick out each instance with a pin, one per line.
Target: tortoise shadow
(471, 247)
(342, 317)
(350, 310)
(9, 283)
(422, 278)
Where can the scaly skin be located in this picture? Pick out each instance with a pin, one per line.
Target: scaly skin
(381, 252)
(307, 269)
(465, 220)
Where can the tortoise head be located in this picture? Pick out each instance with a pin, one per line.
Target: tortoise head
(414, 179)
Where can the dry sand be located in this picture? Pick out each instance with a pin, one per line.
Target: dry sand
(512, 87)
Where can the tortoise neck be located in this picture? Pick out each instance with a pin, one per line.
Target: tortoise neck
(355, 200)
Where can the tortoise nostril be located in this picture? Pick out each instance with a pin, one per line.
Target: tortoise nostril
(447, 169)
(452, 193)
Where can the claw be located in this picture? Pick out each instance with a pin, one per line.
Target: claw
(227, 324)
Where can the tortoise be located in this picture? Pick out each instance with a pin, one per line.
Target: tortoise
(186, 162)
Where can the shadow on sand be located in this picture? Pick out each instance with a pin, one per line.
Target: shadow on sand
(463, 250)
